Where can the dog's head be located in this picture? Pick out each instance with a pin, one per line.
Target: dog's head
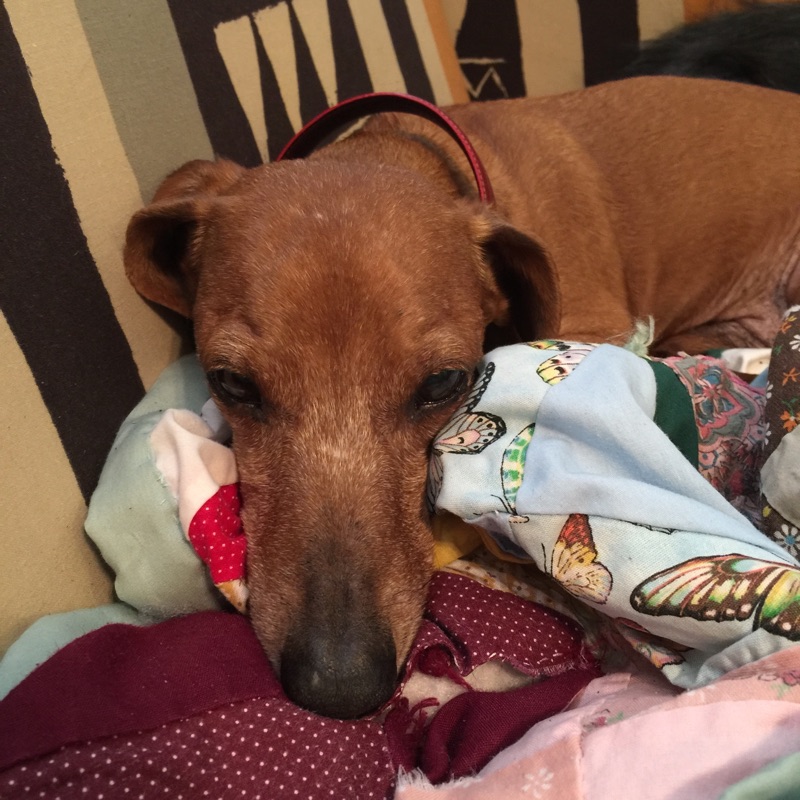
(339, 313)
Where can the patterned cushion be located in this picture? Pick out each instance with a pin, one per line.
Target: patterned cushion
(107, 99)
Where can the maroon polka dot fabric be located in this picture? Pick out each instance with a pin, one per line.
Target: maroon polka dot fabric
(190, 708)
(252, 750)
(475, 625)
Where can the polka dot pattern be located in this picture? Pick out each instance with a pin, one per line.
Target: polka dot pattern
(216, 534)
(473, 624)
(257, 749)
(264, 746)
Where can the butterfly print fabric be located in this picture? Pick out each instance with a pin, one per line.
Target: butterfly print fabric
(559, 458)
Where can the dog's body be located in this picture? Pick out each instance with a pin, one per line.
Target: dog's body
(341, 303)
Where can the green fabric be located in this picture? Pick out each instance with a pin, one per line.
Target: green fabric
(133, 517)
(674, 411)
(779, 780)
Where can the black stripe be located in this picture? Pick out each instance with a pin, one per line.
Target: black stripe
(279, 126)
(610, 31)
(226, 123)
(352, 76)
(406, 48)
(50, 291)
(309, 86)
(228, 128)
(490, 51)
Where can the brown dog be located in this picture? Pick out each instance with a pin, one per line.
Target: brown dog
(341, 303)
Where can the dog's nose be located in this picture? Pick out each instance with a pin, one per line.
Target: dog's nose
(344, 673)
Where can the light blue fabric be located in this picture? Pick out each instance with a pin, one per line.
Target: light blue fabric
(780, 477)
(760, 380)
(596, 439)
(779, 780)
(605, 503)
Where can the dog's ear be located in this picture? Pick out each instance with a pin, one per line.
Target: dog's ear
(526, 277)
(162, 238)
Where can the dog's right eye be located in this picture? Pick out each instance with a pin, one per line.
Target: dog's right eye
(441, 387)
(234, 389)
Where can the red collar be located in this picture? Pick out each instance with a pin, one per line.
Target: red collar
(308, 138)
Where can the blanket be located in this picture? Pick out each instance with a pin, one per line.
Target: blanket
(635, 518)
(191, 705)
(562, 455)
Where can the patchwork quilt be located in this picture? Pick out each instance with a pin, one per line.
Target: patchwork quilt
(617, 539)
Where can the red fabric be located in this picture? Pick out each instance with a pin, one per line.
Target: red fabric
(192, 705)
(183, 707)
(478, 624)
(217, 536)
(473, 727)
(249, 749)
(122, 678)
(466, 624)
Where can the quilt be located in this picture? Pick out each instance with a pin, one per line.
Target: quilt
(633, 522)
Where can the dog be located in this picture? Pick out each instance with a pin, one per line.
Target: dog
(340, 304)
(758, 45)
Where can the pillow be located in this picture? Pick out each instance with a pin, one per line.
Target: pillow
(134, 514)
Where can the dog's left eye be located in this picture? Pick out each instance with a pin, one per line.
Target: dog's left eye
(233, 388)
(441, 387)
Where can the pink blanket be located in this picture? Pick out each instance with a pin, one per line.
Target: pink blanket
(633, 735)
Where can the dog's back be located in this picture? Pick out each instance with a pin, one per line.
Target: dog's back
(679, 195)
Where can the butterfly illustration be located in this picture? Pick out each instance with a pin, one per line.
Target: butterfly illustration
(555, 369)
(468, 432)
(574, 562)
(722, 588)
(512, 469)
(549, 344)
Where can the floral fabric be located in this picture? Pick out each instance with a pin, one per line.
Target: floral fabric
(782, 419)
(729, 414)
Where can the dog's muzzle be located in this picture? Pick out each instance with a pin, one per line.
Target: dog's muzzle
(339, 657)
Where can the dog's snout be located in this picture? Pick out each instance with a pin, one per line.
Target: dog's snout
(338, 658)
(344, 671)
